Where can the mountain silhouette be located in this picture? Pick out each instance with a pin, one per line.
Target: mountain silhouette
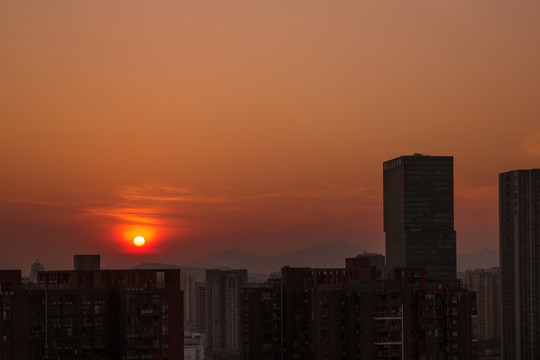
(483, 259)
(330, 255)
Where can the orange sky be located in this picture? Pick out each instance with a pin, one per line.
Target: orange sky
(259, 125)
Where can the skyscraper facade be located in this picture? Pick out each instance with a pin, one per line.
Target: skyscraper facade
(486, 283)
(419, 214)
(187, 285)
(519, 247)
(222, 311)
(200, 299)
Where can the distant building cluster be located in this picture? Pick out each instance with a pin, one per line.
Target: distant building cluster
(486, 283)
(410, 306)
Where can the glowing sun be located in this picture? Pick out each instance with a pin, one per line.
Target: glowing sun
(138, 241)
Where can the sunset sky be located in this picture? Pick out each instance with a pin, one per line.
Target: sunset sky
(258, 125)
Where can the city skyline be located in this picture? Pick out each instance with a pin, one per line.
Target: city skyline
(255, 126)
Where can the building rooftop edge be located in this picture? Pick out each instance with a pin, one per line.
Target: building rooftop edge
(419, 155)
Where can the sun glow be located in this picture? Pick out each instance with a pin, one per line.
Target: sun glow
(138, 241)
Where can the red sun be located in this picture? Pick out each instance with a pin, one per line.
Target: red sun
(138, 241)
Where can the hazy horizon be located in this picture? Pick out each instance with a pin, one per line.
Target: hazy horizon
(105, 259)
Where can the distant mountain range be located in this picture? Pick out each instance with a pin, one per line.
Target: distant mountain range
(327, 255)
(324, 256)
(484, 259)
(330, 255)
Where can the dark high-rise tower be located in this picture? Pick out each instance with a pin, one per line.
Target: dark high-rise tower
(222, 311)
(519, 247)
(419, 213)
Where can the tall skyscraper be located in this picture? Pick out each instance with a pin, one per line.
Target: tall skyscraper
(222, 312)
(486, 283)
(187, 285)
(200, 300)
(519, 247)
(419, 213)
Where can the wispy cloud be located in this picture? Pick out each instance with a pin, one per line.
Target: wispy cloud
(157, 204)
(27, 201)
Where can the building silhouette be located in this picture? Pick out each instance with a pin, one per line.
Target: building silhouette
(486, 283)
(37, 266)
(222, 312)
(419, 214)
(519, 246)
(200, 300)
(187, 285)
(374, 258)
(11, 315)
(357, 312)
(86, 262)
(92, 314)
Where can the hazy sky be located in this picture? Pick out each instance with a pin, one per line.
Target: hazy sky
(260, 125)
